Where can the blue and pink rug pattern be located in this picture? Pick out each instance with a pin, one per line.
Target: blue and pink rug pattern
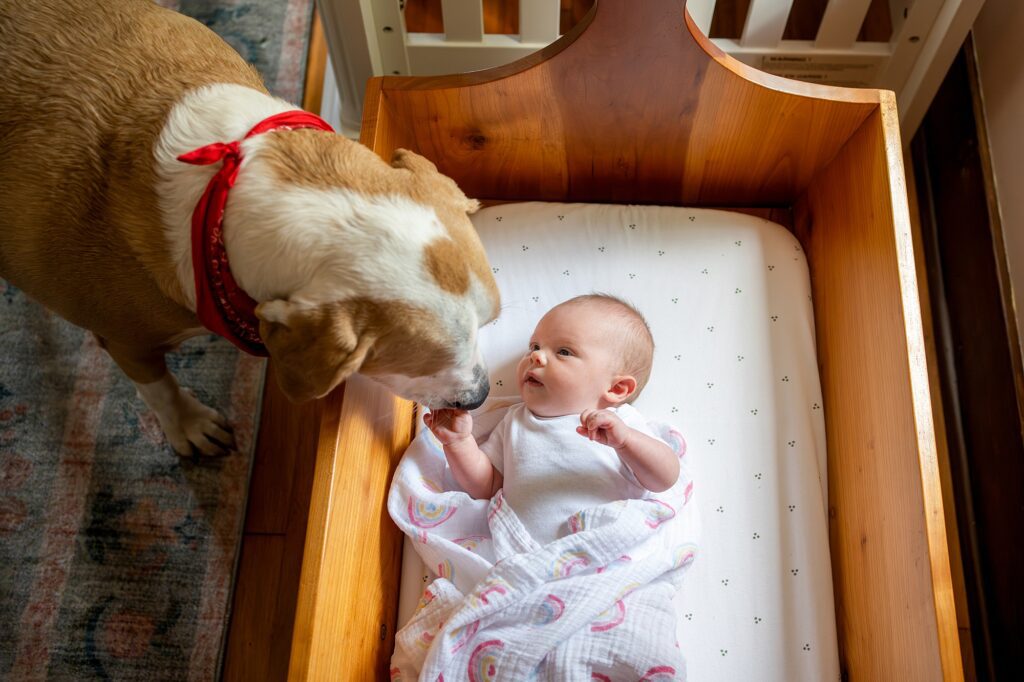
(117, 557)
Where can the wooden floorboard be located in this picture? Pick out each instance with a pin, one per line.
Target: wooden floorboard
(263, 607)
(258, 641)
(259, 573)
(273, 475)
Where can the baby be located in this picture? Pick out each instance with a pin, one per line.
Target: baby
(574, 442)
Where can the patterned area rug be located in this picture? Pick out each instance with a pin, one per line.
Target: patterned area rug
(116, 556)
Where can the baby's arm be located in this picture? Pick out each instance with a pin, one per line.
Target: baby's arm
(470, 466)
(653, 463)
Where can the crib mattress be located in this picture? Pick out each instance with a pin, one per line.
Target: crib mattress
(727, 296)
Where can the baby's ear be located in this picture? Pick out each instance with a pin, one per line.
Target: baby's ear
(622, 387)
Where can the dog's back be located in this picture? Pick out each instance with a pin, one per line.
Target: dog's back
(85, 91)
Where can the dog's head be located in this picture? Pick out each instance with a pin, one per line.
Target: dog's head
(393, 281)
(409, 348)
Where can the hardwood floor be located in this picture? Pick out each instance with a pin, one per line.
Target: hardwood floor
(258, 641)
(266, 587)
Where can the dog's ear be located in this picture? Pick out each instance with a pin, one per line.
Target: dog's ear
(403, 158)
(427, 172)
(312, 348)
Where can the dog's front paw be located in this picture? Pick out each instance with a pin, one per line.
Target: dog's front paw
(196, 428)
(191, 427)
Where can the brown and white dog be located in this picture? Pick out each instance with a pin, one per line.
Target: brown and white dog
(355, 264)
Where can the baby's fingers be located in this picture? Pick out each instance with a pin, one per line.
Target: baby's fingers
(592, 418)
(589, 430)
(597, 419)
(439, 419)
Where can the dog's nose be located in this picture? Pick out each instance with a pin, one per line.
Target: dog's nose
(469, 405)
(475, 397)
(471, 401)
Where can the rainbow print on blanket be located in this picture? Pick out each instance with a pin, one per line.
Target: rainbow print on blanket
(502, 606)
(551, 610)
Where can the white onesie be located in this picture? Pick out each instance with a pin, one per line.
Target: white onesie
(551, 472)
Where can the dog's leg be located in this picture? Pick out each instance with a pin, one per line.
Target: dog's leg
(189, 425)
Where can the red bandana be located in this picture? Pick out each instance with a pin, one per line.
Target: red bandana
(222, 306)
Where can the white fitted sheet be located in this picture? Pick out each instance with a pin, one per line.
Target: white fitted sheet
(727, 297)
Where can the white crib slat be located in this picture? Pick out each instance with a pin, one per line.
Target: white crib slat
(701, 11)
(538, 20)
(766, 21)
(433, 56)
(943, 42)
(463, 20)
(909, 40)
(898, 10)
(388, 35)
(841, 23)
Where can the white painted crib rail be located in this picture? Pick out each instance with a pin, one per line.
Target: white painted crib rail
(368, 38)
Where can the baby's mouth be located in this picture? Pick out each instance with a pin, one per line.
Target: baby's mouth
(532, 380)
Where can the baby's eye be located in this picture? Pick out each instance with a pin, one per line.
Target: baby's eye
(534, 346)
(564, 351)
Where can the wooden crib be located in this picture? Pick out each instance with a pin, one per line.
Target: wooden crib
(636, 106)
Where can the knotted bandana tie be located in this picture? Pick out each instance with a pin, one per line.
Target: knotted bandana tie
(222, 306)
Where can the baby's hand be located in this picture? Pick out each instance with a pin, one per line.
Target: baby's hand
(450, 426)
(603, 426)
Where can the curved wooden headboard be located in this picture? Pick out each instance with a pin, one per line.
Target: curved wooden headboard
(636, 106)
(632, 106)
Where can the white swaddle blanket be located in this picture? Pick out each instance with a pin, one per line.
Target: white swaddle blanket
(594, 605)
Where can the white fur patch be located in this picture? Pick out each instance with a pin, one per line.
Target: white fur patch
(313, 246)
(213, 113)
(305, 244)
(319, 245)
(310, 245)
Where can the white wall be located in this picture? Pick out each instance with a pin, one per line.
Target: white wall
(999, 45)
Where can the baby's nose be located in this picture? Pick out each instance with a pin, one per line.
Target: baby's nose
(538, 358)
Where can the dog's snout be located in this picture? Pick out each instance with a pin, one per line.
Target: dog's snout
(473, 398)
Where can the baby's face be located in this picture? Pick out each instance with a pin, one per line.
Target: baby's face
(569, 366)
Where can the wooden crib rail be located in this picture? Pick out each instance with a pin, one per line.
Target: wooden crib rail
(636, 106)
(890, 562)
(348, 588)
